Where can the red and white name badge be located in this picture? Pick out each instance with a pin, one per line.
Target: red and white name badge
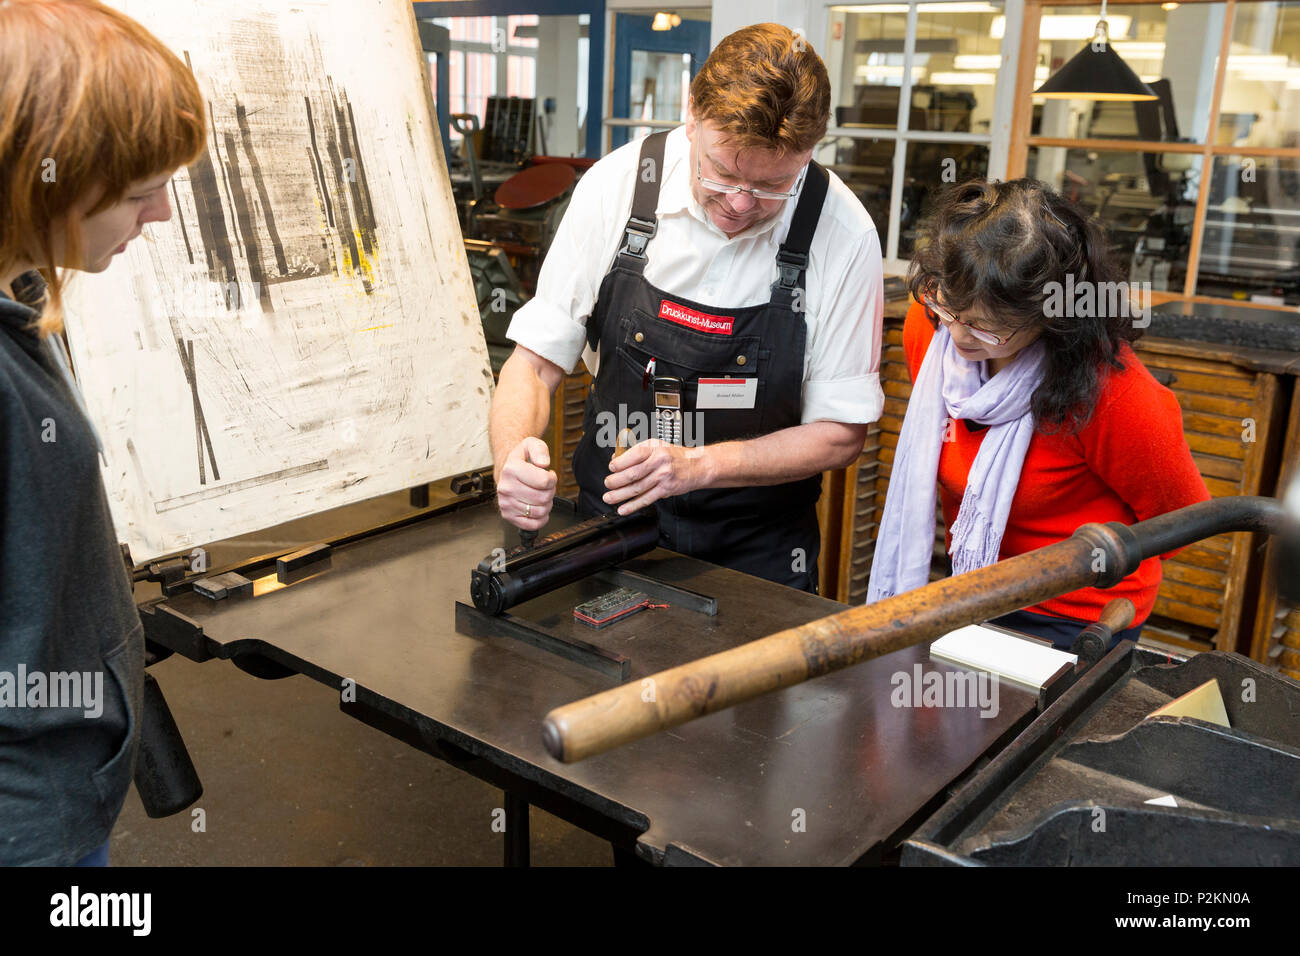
(726, 393)
(699, 321)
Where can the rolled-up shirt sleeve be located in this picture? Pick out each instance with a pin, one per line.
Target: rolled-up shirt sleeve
(843, 380)
(554, 322)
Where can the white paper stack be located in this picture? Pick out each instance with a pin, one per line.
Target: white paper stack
(1014, 659)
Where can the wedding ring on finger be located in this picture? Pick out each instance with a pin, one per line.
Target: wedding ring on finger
(528, 511)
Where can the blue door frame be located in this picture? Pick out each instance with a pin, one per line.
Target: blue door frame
(634, 33)
(595, 9)
(437, 42)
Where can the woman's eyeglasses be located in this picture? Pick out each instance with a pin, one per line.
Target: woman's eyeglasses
(718, 187)
(948, 318)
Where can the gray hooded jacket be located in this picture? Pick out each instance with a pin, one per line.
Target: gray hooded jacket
(71, 644)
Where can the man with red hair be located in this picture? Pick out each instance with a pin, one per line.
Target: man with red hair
(727, 288)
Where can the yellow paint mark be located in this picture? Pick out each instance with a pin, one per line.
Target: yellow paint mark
(374, 327)
(366, 265)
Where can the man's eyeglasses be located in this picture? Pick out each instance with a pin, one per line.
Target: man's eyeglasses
(948, 318)
(718, 187)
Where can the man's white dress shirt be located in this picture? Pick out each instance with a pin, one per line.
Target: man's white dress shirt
(692, 258)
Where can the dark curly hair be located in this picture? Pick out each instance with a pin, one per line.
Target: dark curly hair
(1000, 247)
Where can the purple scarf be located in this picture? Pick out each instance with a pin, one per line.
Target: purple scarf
(948, 388)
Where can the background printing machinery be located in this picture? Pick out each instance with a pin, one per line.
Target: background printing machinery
(509, 200)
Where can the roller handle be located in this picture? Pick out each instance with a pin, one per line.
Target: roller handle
(1093, 640)
(526, 538)
(625, 440)
(779, 661)
(1117, 615)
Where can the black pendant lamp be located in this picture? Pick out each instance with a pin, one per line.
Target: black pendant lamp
(1096, 72)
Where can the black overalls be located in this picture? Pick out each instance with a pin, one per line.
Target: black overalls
(768, 531)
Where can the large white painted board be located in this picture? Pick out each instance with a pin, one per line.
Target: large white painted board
(303, 333)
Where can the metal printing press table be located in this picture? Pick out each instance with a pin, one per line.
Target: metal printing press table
(1099, 780)
(826, 772)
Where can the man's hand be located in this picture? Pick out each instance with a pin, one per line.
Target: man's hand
(526, 489)
(652, 470)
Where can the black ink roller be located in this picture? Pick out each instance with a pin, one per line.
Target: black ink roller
(561, 558)
(565, 556)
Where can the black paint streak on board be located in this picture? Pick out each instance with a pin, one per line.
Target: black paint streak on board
(252, 251)
(188, 353)
(208, 494)
(315, 178)
(345, 218)
(361, 168)
(212, 218)
(326, 246)
(360, 189)
(320, 167)
(201, 435)
(225, 177)
(180, 219)
(241, 116)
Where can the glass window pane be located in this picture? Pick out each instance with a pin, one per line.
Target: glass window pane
(958, 59)
(954, 65)
(1174, 51)
(481, 82)
(660, 88)
(584, 47)
(456, 74)
(867, 168)
(1251, 247)
(1261, 92)
(522, 30)
(864, 56)
(931, 166)
(521, 76)
(1147, 202)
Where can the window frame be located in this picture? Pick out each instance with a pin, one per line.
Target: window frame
(1021, 140)
(998, 139)
(500, 58)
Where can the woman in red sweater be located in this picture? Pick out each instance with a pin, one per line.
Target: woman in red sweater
(1032, 412)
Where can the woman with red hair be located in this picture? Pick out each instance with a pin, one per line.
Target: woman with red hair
(95, 117)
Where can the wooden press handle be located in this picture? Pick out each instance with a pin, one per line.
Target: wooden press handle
(625, 440)
(626, 713)
(1117, 615)
(634, 710)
